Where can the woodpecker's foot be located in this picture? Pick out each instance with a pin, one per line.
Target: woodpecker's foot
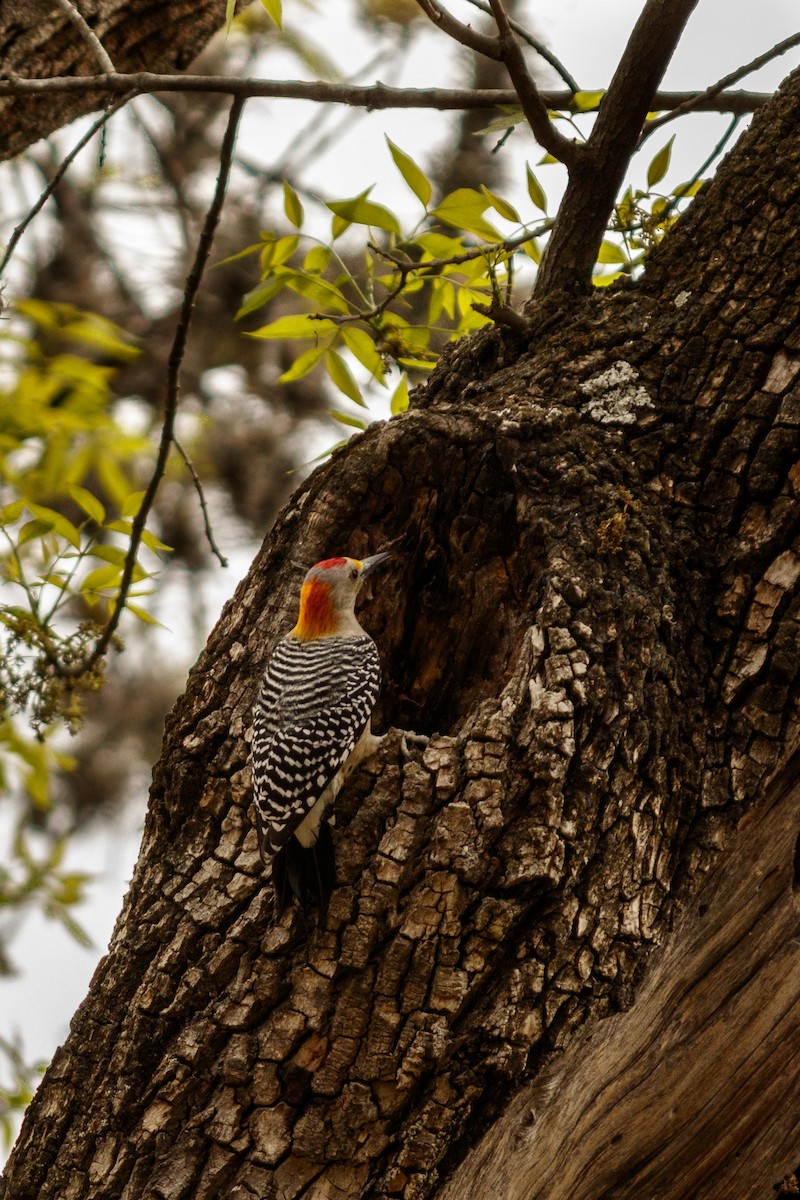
(413, 741)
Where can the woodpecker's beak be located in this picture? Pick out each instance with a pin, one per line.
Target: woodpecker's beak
(368, 565)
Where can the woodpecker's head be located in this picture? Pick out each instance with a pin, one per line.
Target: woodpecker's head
(328, 596)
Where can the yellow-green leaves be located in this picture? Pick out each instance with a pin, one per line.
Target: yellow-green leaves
(292, 206)
(464, 209)
(660, 164)
(414, 177)
(274, 11)
(536, 191)
(359, 210)
(586, 101)
(88, 502)
(67, 461)
(393, 298)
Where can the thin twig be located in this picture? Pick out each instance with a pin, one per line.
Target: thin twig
(692, 104)
(544, 130)
(481, 43)
(406, 267)
(198, 487)
(373, 97)
(436, 264)
(89, 36)
(541, 49)
(172, 391)
(57, 177)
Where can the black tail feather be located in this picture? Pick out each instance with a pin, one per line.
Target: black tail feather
(305, 876)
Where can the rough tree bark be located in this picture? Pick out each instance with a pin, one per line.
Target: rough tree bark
(594, 612)
(38, 40)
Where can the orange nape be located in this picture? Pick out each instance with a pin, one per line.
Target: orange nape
(317, 618)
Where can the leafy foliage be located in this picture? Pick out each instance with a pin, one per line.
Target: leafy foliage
(392, 305)
(65, 461)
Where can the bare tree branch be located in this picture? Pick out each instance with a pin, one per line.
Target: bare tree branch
(541, 49)
(373, 97)
(481, 43)
(172, 392)
(198, 487)
(89, 36)
(599, 172)
(692, 104)
(537, 116)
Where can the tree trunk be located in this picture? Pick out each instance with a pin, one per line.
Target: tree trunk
(593, 610)
(37, 41)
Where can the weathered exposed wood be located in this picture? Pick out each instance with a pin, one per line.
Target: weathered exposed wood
(693, 1092)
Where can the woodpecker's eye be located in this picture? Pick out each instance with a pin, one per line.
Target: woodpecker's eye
(354, 573)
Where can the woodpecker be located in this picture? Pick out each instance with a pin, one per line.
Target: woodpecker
(312, 727)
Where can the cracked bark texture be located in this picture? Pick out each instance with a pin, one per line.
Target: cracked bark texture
(38, 41)
(593, 610)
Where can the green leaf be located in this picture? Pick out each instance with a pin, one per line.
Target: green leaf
(221, 262)
(153, 543)
(586, 101)
(514, 116)
(131, 505)
(688, 189)
(109, 554)
(340, 374)
(606, 280)
(120, 526)
(260, 295)
(363, 348)
(532, 250)
(274, 11)
(610, 252)
(277, 252)
(58, 523)
(338, 227)
(142, 614)
(89, 503)
(347, 419)
(100, 579)
(416, 364)
(32, 530)
(292, 206)
(303, 325)
(399, 401)
(414, 177)
(463, 209)
(660, 164)
(321, 292)
(361, 211)
(500, 205)
(536, 191)
(305, 362)
(317, 259)
(230, 10)
(12, 512)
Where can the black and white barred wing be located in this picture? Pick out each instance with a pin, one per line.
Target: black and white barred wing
(315, 702)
